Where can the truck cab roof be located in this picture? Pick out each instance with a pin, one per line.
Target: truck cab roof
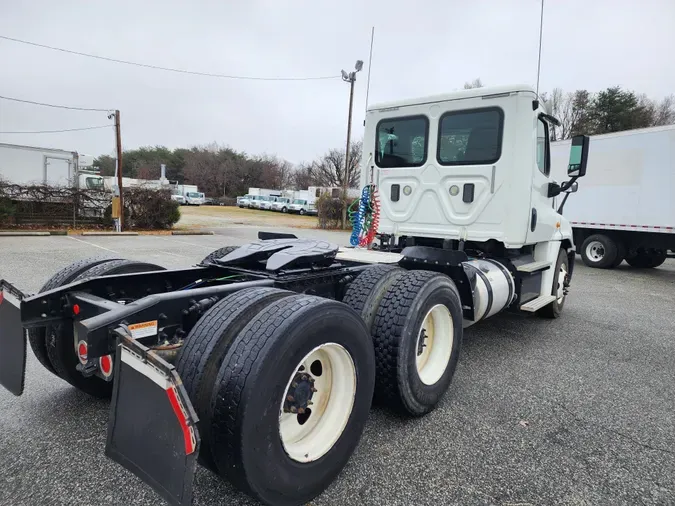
(457, 95)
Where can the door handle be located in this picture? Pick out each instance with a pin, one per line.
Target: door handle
(467, 194)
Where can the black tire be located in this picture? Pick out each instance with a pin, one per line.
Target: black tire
(252, 384)
(365, 293)
(554, 309)
(60, 346)
(620, 254)
(219, 253)
(395, 334)
(303, 212)
(647, 260)
(205, 346)
(605, 251)
(37, 336)
(284, 209)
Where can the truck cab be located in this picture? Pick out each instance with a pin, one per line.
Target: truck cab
(302, 206)
(472, 165)
(470, 171)
(194, 198)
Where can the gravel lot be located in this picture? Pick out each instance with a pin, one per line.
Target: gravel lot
(574, 411)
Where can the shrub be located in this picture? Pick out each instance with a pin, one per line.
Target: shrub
(7, 210)
(43, 205)
(330, 211)
(147, 209)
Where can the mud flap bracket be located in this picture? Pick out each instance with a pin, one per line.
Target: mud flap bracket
(152, 425)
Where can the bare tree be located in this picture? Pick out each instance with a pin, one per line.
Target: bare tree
(664, 111)
(328, 170)
(476, 83)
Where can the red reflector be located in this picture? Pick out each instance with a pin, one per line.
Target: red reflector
(82, 351)
(76, 309)
(2, 295)
(106, 365)
(177, 409)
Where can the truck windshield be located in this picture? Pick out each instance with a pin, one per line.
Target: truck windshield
(300, 202)
(195, 195)
(94, 183)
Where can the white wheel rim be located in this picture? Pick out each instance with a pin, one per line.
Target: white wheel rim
(310, 435)
(562, 275)
(434, 344)
(595, 251)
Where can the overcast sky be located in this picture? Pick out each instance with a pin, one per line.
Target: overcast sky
(421, 48)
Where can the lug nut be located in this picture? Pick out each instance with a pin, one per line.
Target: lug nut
(294, 409)
(314, 389)
(290, 398)
(301, 411)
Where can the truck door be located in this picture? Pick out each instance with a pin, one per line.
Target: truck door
(58, 171)
(543, 215)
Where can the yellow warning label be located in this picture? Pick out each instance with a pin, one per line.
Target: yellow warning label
(143, 329)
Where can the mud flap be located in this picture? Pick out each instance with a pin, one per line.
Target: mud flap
(12, 340)
(152, 426)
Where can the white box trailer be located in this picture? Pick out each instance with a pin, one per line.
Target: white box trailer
(32, 165)
(26, 165)
(625, 208)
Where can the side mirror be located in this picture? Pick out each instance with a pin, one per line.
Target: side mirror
(573, 188)
(578, 156)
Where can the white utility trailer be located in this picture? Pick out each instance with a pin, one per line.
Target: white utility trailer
(625, 209)
(26, 165)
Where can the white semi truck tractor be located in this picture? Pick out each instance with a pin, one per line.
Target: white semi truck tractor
(262, 361)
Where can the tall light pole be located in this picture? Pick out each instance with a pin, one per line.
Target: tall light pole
(351, 79)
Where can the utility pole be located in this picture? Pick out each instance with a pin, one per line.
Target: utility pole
(351, 79)
(345, 183)
(118, 141)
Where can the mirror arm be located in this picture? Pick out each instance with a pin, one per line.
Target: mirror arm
(568, 184)
(562, 204)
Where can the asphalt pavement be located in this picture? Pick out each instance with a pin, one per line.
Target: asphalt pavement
(580, 410)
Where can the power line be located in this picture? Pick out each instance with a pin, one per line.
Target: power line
(53, 105)
(168, 69)
(59, 131)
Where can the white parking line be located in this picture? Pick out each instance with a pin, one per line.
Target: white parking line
(94, 245)
(190, 243)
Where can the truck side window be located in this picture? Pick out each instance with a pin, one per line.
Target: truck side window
(543, 155)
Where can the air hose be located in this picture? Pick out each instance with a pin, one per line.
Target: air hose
(366, 218)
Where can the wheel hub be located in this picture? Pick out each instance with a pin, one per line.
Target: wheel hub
(299, 394)
(422, 342)
(595, 251)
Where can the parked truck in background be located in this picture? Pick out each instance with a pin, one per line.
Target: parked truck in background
(625, 209)
(191, 194)
(255, 195)
(26, 165)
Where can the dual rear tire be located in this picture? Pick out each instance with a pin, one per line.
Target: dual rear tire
(604, 252)
(415, 323)
(54, 345)
(282, 384)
